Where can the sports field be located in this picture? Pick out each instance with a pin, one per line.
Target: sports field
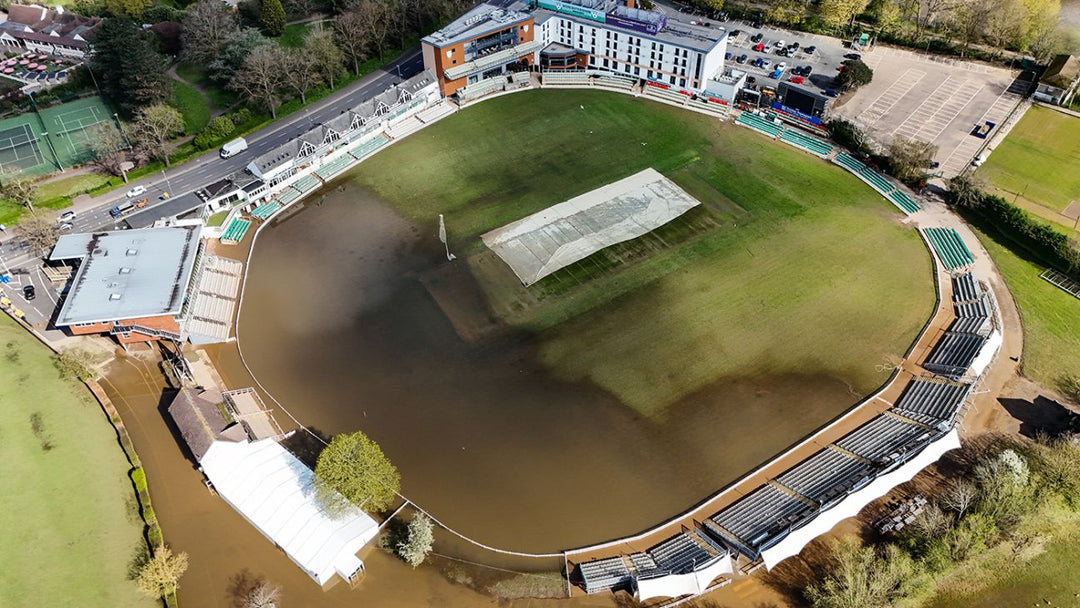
(791, 265)
(67, 509)
(24, 145)
(1037, 164)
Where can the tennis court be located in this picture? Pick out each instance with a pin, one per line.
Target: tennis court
(24, 146)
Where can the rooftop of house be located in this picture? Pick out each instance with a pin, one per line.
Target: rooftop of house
(1062, 72)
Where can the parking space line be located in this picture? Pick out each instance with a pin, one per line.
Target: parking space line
(941, 119)
(959, 158)
(885, 102)
(915, 121)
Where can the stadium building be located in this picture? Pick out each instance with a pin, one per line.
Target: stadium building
(501, 36)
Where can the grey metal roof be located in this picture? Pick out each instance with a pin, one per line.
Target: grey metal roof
(127, 274)
(480, 20)
(174, 207)
(679, 31)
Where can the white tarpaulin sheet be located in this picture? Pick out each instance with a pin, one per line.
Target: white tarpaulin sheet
(562, 234)
(691, 583)
(854, 502)
(986, 353)
(274, 491)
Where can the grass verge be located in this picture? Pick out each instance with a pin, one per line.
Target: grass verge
(69, 516)
(792, 265)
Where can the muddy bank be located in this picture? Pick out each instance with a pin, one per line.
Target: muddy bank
(338, 325)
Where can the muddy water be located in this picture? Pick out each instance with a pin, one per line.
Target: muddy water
(338, 325)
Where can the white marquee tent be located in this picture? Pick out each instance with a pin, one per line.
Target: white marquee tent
(274, 491)
(853, 503)
(676, 585)
(986, 354)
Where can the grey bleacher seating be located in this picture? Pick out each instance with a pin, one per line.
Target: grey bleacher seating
(965, 289)
(825, 475)
(881, 437)
(977, 308)
(953, 354)
(970, 325)
(931, 402)
(604, 574)
(758, 517)
(678, 554)
(644, 565)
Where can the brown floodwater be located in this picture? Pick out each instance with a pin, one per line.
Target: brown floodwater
(337, 324)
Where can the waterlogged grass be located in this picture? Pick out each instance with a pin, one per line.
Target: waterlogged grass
(792, 266)
(67, 510)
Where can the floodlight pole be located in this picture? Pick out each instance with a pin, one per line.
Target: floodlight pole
(168, 186)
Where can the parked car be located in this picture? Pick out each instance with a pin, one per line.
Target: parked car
(779, 44)
(29, 291)
(796, 79)
(741, 58)
(727, 56)
(66, 216)
(807, 70)
(734, 33)
(831, 92)
(136, 191)
(781, 66)
(750, 80)
(794, 46)
(765, 62)
(776, 74)
(757, 37)
(759, 47)
(853, 56)
(810, 49)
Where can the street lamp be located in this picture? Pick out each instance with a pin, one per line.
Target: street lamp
(168, 186)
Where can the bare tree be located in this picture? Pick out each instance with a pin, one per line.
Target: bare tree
(933, 522)
(303, 70)
(207, 26)
(910, 158)
(377, 18)
(18, 187)
(299, 9)
(108, 145)
(329, 60)
(351, 34)
(960, 496)
(262, 77)
(154, 126)
(38, 232)
(263, 594)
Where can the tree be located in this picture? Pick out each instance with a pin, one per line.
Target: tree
(329, 60)
(217, 130)
(416, 546)
(854, 75)
(840, 12)
(272, 16)
(1004, 25)
(1070, 386)
(161, 575)
(960, 496)
(77, 364)
(886, 14)
(208, 25)
(354, 466)
(262, 77)
(299, 9)
(108, 147)
(39, 233)
(966, 191)
(128, 65)
(863, 577)
(22, 189)
(849, 135)
(263, 594)
(128, 8)
(351, 35)
(154, 126)
(302, 72)
(375, 18)
(168, 34)
(909, 159)
(970, 18)
(230, 59)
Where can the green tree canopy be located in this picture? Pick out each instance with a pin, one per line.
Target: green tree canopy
(356, 467)
(272, 16)
(128, 65)
(854, 75)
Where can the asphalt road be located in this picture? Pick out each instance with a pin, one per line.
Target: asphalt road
(210, 167)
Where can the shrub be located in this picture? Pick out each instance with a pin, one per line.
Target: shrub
(240, 117)
(215, 132)
(76, 363)
(417, 545)
(138, 476)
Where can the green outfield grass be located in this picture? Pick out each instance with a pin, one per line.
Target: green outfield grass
(67, 510)
(1038, 161)
(1050, 316)
(792, 266)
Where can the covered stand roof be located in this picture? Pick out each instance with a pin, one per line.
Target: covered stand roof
(200, 420)
(127, 274)
(274, 491)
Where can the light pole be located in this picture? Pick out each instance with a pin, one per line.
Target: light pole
(168, 186)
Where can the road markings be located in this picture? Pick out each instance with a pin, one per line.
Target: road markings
(885, 102)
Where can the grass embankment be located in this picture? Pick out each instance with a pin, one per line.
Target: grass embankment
(293, 36)
(793, 266)
(1051, 329)
(67, 510)
(1038, 161)
(192, 105)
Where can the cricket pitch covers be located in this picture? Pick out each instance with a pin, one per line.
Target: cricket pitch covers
(544, 242)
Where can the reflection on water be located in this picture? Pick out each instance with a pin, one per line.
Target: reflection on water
(337, 324)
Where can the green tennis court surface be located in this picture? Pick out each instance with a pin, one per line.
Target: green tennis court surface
(25, 146)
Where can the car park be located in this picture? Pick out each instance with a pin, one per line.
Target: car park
(66, 216)
(136, 191)
(741, 58)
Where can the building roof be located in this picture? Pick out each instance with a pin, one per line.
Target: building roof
(175, 206)
(480, 20)
(276, 492)
(1062, 72)
(40, 24)
(200, 420)
(127, 274)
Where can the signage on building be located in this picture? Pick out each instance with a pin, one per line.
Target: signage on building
(638, 25)
(796, 113)
(573, 10)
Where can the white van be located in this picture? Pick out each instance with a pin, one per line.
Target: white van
(233, 147)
